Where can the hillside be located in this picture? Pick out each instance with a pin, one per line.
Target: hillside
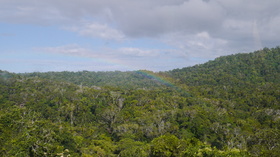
(257, 67)
(225, 107)
(124, 80)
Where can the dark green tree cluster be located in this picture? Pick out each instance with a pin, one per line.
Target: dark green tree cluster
(226, 107)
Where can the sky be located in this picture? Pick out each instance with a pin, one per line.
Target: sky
(125, 35)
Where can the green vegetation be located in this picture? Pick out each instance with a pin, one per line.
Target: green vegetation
(225, 107)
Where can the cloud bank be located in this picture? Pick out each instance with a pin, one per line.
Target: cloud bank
(202, 29)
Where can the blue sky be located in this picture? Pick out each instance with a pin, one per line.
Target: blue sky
(108, 35)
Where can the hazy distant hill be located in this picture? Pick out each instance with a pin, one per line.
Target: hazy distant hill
(127, 80)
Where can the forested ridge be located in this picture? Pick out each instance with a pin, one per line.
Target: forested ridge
(225, 107)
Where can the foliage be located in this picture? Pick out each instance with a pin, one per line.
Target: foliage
(225, 107)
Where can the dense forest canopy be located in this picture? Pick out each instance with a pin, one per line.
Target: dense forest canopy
(225, 107)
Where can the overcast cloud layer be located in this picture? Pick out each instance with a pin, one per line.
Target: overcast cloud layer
(185, 32)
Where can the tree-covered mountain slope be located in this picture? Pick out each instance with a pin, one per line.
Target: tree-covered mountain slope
(226, 107)
(258, 67)
(248, 78)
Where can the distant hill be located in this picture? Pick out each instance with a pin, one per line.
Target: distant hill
(239, 69)
(128, 80)
(248, 78)
(256, 67)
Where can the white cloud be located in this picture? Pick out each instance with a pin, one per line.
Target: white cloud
(31, 12)
(131, 51)
(199, 45)
(125, 58)
(105, 53)
(98, 30)
(67, 50)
